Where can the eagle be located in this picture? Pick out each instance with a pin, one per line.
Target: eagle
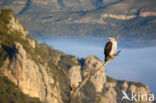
(110, 48)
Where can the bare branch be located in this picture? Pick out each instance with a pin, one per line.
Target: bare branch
(117, 53)
(56, 64)
(68, 77)
(117, 37)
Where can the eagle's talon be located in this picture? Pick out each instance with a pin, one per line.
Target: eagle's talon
(112, 57)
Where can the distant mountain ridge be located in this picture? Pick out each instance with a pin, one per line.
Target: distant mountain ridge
(86, 18)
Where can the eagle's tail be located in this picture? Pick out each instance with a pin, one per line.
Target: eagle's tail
(106, 58)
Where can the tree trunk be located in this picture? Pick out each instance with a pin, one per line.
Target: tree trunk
(72, 96)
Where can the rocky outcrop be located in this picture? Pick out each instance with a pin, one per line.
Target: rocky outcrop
(92, 63)
(110, 90)
(33, 79)
(75, 75)
(15, 26)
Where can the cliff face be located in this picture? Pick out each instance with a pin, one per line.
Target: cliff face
(31, 77)
(32, 67)
(92, 63)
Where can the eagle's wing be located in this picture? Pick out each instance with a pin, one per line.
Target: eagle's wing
(107, 50)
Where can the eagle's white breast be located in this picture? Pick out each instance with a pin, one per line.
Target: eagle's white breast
(114, 47)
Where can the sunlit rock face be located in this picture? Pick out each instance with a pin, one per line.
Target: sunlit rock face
(15, 26)
(112, 92)
(33, 79)
(75, 75)
(92, 63)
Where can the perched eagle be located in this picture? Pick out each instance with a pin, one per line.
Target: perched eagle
(110, 48)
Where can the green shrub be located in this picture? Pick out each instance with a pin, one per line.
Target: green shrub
(110, 79)
(137, 84)
(67, 61)
(89, 92)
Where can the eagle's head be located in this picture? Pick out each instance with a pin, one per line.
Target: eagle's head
(111, 38)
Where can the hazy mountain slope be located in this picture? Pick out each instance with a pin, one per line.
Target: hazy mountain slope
(32, 68)
(81, 18)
